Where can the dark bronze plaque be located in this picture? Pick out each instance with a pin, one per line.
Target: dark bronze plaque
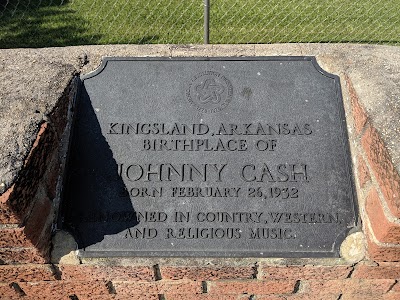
(210, 157)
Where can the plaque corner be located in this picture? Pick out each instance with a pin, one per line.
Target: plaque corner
(98, 70)
(320, 70)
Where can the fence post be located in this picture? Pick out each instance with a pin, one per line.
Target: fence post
(206, 21)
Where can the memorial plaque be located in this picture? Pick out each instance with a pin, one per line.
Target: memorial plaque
(229, 157)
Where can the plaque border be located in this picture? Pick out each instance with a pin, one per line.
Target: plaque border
(354, 223)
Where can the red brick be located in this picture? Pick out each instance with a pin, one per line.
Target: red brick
(270, 297)
(12, 211)
(349, 286)
(117, 297)
(383, 168)
(252, 287)
(44, 128)
(95, 297)
(306, 272)
(44, 297)
(159, 287)
(85, 288)
(381, 252)
(117, 273)
(30, 234)
(58, 117)
(44, 289)
(38, 218)
(16, 202)
(396, 287)
(382, 271)
(391, 296)
(131, 297)
(32, 273)
(325, 296)
(300, 296)
(7, 292)
(363, 173)
(7, 214)
(6, 195)
(25, 255)
(384, 230)
(314, 296)
(51, 176)
(202, 297)
(59, 289)
(357, 296)
(14, 237)
(26, 244)
(359, 115)
(208, 273)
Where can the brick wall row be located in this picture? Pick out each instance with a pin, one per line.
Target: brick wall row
(255, 281)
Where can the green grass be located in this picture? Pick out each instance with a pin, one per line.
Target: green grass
(44, 23)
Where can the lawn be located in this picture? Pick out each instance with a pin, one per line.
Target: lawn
(44, 23)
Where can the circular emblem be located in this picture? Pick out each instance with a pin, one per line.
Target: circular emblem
(209, 92)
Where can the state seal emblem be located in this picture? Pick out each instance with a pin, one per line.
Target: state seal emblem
(209, 92)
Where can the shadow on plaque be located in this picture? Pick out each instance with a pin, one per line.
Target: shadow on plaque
(96, 202)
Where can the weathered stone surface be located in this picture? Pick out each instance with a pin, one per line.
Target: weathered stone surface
(353, 247)
(31, 83)
(64, 249)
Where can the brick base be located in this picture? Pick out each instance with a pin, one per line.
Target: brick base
(361, 281)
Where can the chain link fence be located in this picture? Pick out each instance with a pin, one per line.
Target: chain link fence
(42, 23)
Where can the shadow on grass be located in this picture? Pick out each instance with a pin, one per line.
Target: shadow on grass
(46, 23)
